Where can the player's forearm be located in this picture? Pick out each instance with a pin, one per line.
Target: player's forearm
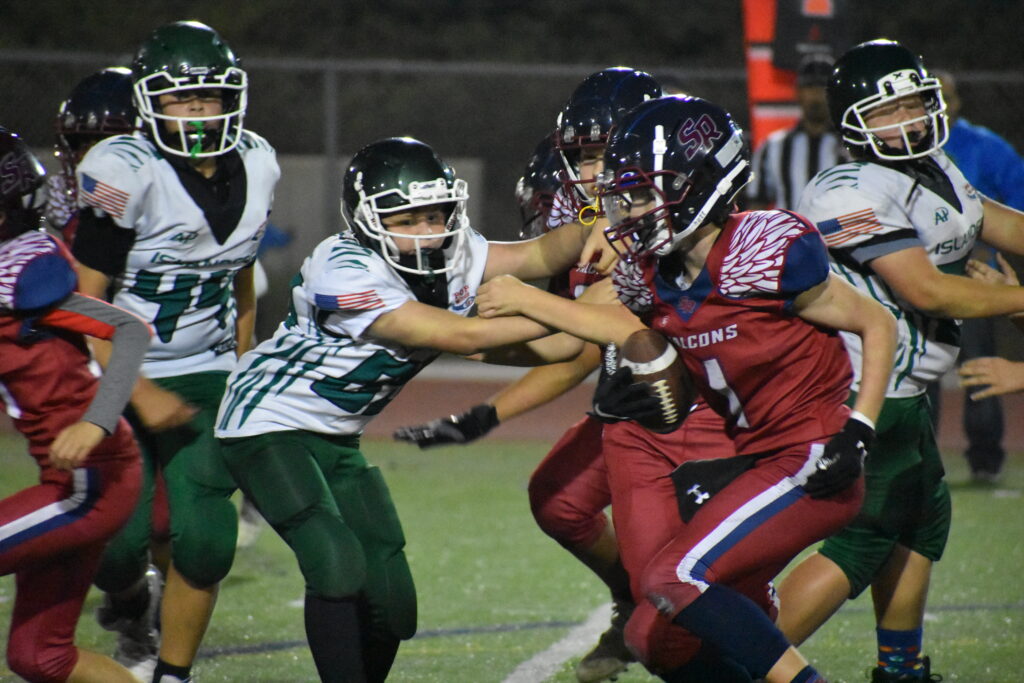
(598, 323)
(1003, 227)
(955, 296)
(544, 384)
(553, 253)
(878, 341)
(554, 348)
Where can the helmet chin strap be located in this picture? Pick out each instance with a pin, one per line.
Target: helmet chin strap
(722, 189)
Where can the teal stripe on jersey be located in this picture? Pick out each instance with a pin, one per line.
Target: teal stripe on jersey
(242, 390)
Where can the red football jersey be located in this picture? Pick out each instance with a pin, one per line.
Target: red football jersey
(45, 380)
(776, 379)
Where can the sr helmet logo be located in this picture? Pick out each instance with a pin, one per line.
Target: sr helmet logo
(13, 176)
(695, 135)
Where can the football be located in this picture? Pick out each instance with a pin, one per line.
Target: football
(655, 361)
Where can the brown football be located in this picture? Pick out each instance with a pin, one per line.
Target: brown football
(655, 361)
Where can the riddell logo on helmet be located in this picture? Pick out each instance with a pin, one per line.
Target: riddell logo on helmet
(195, 70)
(698, 134)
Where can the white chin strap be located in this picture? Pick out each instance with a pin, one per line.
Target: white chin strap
(723, 189)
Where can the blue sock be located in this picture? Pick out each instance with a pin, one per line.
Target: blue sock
(899, 652)
(738, 627)
(808, 675)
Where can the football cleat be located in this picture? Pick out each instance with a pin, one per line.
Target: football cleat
(138, 638)
(610, 656)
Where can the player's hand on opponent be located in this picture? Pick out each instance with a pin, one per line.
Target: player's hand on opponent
(997, 375)
(843, 459)
(618, 398)
(74, 443)
(469, 426)
(597, 251)
(159, 409)
(980, 270)
(500, 296)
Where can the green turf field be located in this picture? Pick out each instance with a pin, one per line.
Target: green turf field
(494, 592)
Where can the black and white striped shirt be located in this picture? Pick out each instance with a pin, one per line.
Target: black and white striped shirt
(786, 162)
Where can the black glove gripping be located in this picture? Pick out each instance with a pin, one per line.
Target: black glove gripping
(843, 459)
(469, 426)
(619, 398)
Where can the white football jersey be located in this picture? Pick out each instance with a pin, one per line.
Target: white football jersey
(867, 210)
(320, 372)
(178, 276)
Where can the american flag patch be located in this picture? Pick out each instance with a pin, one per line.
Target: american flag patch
(356, 301)
(110, 199)
(844, 228)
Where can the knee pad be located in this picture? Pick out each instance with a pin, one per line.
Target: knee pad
(40, 664)
(366, 506)
(658, 644)
(329, 554)
(562, 518)
(204, 537)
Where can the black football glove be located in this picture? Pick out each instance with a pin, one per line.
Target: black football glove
(619, 398)
(843, 459)
(469, 426)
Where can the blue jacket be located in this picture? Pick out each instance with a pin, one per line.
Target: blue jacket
(988, 161)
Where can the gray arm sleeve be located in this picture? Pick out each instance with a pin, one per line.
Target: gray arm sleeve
(130, 340)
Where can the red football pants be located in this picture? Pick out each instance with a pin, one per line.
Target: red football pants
(51, 538)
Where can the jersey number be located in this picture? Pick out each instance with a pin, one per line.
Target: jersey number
(716, 379)
(215, 291)
(366, 378)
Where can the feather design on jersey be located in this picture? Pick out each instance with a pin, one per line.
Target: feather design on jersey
(631, 286)
(14, 254)
(563, 211)
(756, 253)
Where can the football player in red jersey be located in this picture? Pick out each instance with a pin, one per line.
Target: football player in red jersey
(52, 534)
(749, 301)
(571, 488)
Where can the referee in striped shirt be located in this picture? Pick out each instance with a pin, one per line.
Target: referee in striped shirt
(789, 158)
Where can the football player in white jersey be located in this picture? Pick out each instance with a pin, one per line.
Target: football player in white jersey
(900, 222)
(169, 225)
(370, 308)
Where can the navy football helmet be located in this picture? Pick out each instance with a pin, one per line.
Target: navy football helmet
(593, 109)
(875, 74)
(671, 166)
(22, 186)
(536, 189)
(99, 106)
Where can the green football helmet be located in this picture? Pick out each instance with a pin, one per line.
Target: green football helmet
(874, 74)
(401, 174)
(188, 55)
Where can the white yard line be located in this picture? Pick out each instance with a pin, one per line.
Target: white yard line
(577, 641)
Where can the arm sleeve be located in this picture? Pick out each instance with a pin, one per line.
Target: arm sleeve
(100, 244)
(130, 337)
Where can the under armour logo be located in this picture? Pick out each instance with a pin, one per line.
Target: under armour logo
(941, 215)
(698, 496)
